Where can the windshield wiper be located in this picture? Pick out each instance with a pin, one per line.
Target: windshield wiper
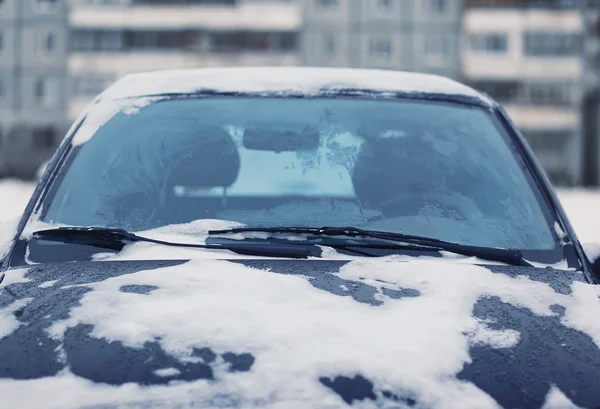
(116, 239)
(508, 256)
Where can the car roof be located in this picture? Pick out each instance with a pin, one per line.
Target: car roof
(292, 80)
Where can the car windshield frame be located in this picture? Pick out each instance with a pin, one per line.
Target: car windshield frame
(509, 134)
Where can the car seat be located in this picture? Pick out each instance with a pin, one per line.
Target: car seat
(208, 159)
(390, 167)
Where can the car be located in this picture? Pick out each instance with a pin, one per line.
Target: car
(296, 238)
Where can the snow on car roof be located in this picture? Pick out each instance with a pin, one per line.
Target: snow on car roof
(143, 88)
(283, 79)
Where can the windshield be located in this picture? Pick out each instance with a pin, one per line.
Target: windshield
(441, 170)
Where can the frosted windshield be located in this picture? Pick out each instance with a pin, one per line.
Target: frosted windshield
(435, 169)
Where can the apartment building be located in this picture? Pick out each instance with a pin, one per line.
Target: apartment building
(111, 38)
(528, 55)
(591, 109)
(409, 35)
(33, 72)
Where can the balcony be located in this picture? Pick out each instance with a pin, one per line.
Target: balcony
(251, 16)
(184, 2)
(524, 4)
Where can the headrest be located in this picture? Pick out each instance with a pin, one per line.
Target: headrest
(209, 159)
(388, 166)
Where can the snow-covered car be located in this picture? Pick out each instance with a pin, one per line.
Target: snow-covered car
(296, 238)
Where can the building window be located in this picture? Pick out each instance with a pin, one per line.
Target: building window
(46, 5)
(436, 50)
(546, 44)
(44, 137)
(1, 40)
(329, 44)
(322, 4)
(96, 40)
(502, 91)
(48, 43)
(381, 47)
(91, 84)
(385, 4)
(547, 141)
(437, 46)
(489, 42)
(555, 94)
(2, 90)
(46, 91)
(222, 41)
(438, 6)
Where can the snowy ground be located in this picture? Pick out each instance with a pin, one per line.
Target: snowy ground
(14, 195)
(582, 206)
(583, 209)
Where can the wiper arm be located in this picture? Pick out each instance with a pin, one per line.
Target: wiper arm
(508, 256)
(116, 239)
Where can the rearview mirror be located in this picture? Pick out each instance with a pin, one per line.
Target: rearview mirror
(281, 141)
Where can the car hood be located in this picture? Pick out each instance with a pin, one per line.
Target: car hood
(290, 333)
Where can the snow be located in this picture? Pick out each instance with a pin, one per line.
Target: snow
(295, 331)
(167, 372)
(578, 316)
(583, 209)
(282, 79)
(99, 113)
(14, 196)
(135, 90)
(8, 322)
(581, 205)
(15, 276)
(298, 333)
(47, 284)
(557, 400)
(8, 233)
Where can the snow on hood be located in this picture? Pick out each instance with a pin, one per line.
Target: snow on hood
(299, 335)
(8, 322)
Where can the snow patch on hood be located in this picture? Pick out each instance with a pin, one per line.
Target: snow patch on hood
(557, 400)
(8, 322)
(15, 276)
(298, 333)
(581, 313)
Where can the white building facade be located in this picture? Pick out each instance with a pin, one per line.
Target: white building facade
(33, 76)
(111, 38)
(408, 35)
(528, 55)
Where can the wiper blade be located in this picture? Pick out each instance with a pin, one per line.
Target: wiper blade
(116, 239)
(508, 256)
